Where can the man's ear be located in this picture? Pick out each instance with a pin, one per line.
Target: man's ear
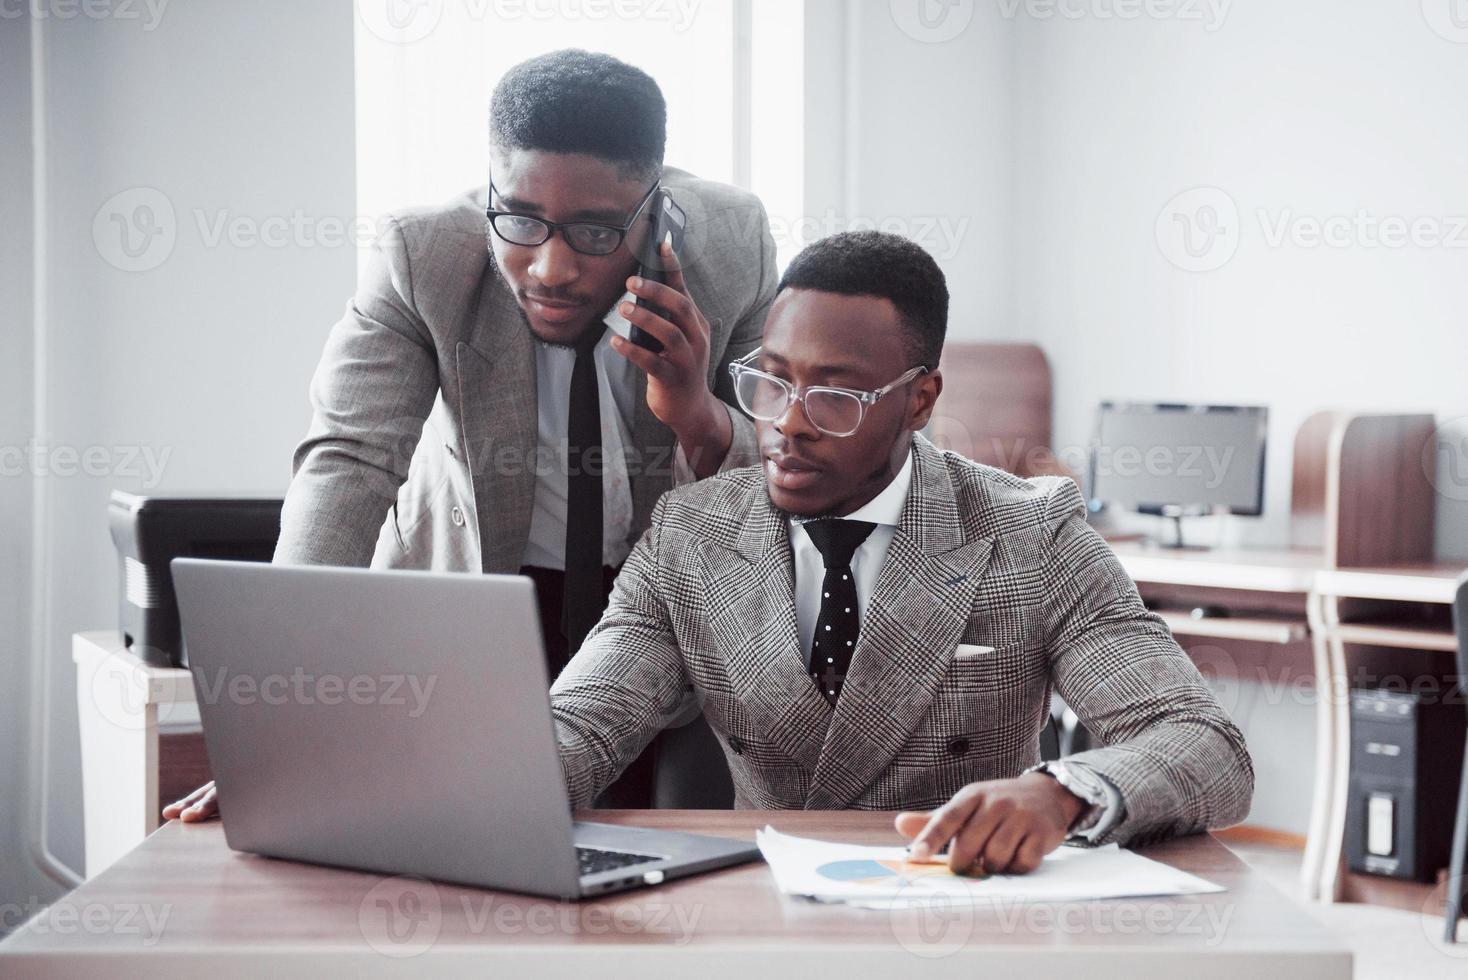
(925, 392)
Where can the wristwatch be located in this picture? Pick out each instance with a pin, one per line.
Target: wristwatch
(1101, 798)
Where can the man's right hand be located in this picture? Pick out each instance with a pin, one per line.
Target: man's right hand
(201, 804)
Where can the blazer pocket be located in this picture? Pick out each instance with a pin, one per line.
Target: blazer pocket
(966, 650)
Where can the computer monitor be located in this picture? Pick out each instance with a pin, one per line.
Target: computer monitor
(1179, 460)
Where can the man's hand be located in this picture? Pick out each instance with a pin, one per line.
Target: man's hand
(999, 826)
(677, 377)
(201, 804)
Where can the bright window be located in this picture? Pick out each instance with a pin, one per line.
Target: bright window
(730, 70)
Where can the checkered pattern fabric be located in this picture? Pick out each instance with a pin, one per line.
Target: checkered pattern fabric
(994, 590)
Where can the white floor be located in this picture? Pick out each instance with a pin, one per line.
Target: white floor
(1389, 943)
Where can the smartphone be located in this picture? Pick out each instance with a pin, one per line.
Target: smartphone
(668, 220)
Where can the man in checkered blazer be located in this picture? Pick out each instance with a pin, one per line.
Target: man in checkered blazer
(978, 594)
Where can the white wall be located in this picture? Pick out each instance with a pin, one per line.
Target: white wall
(201, 358)
(1064, 138)
(19, 879)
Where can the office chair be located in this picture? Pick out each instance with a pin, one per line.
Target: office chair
(1458, 864)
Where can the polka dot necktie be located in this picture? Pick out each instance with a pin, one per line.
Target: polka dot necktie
(839, 622)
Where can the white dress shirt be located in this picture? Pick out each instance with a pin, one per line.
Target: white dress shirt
(883, 510)
(616, 379)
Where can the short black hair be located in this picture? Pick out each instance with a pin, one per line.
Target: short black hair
(875, 263)
(574, 101)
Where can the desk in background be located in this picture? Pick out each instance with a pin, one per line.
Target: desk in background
(225, 914)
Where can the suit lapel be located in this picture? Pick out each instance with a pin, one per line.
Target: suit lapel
(499, 410)
(751, 601)
(919, 609)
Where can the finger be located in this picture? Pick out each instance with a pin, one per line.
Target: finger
(172, 810)
(910, 823)
(205, 809)
(1028, 855)
(943, 823)
(999, 849)
(662, 294)
(681, 311)
(966, 851)
(664, 330)
(654, 364)
(673, 266)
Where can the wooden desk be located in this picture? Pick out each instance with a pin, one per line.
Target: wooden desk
(223, 914)
(1376, 614)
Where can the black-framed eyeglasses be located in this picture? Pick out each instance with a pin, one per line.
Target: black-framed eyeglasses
(835, 411)
(586, 237)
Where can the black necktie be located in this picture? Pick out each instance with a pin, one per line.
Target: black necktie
(838, 625)
(584, 598)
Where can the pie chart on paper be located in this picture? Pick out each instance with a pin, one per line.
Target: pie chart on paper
(866, 871)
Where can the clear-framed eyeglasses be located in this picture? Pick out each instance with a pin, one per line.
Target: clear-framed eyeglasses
(835, 411)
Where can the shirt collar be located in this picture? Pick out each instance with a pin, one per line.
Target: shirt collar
(886, 507)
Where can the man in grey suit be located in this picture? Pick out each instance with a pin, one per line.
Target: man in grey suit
(870, 622)
(482, 409)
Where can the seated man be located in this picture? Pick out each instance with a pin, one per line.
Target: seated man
(871, 622)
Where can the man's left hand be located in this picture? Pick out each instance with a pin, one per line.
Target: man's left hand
(677, 377)
(1004, 826)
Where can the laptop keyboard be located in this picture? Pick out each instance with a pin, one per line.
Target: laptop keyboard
(594, 859)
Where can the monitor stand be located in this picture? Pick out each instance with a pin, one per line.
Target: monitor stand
(1177, 543)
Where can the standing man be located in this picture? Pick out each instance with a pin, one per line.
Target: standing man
(539, 436)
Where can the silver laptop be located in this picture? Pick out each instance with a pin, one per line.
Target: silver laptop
(399, 722)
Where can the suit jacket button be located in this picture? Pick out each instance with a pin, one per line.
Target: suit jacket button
(457, 516)
(736, 746)
(958, 746)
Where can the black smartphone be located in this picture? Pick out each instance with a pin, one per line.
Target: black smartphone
(668, 219)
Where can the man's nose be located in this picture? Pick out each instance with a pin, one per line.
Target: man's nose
(555, 263)
(793, 423)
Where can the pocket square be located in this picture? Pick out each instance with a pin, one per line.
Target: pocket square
(966, 650)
